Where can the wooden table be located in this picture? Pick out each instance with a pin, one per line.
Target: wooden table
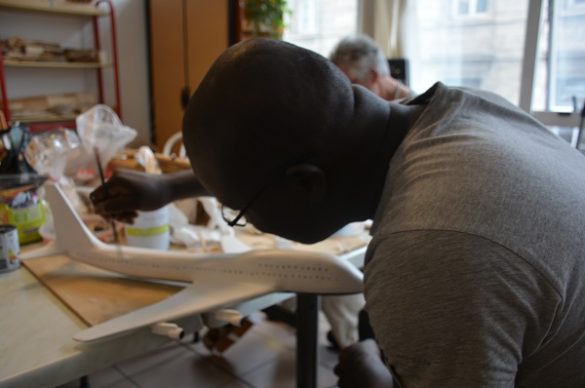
(36, 330)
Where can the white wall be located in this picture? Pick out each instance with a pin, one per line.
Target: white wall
(132, 51)
(74, 31)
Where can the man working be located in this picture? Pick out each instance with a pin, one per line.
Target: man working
(474, 276)
(363, 62)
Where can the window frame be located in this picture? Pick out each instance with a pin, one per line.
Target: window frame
(529, 62)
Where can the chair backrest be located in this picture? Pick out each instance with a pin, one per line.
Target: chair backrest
(399, 70)
(172, 142)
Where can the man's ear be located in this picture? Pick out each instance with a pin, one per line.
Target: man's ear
(310, 179)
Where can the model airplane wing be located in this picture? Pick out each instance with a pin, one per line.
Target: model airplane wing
(196, 298)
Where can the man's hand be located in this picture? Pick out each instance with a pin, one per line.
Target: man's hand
(361, 365)
(128, 191)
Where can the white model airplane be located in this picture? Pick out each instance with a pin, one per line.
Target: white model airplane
(216, 280)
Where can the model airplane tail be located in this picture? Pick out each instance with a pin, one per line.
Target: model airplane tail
(71, 233)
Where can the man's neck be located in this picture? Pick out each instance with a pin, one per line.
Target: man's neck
(382, 126)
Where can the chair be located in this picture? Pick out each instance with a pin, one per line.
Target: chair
(399, 70)
(172, 142)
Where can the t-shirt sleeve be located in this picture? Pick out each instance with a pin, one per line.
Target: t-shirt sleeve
(455, 310)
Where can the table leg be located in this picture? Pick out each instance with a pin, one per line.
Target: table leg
(307, 330)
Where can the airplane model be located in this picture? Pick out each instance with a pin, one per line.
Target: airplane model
(216, 280)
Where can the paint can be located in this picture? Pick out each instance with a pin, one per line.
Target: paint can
(9, 248)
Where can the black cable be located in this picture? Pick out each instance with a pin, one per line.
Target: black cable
(581, 123)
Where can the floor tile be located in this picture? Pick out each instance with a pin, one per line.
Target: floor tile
(281, 373)
(148, 360)
(286, 335)
(326, 378)
(327, 357)
(71, 384)
(175, 367)
(264, 357)
(249, 353)
(237, 384)
(118, 384)
(108, 377)
(277, 331)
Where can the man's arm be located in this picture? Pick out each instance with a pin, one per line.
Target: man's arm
(453, 309)
(128, 191)
(361, 365)
(184, 184)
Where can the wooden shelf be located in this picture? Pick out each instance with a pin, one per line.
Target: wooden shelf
(48, 118)
(55, 65)
(54, 6)
(90, 12)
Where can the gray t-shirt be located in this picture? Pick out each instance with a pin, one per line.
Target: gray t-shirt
(475, 276)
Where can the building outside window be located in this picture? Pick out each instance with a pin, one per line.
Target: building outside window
(560, 71)
(471, 7)
(476, 43)
(464, 50)
(486, 46)
(319, 24)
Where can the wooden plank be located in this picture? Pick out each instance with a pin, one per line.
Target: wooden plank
(55, 65)
(93, 294)
(194, 36)
(207, 32)
(55, 6)
(168, 75)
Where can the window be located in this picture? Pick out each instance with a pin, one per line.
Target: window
(486, 53)
(560, 68)
(319, 24)
(576, 3)
(530, 52)
(554, 80)
(471, 7)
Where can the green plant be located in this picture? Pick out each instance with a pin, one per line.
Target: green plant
(266, 17)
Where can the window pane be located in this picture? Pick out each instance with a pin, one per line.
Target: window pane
(482, 6)
(319, 24)
(463, 8)
(560, 74)
(483, 50)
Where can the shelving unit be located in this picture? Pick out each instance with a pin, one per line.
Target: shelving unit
(56, 65)
(94, 12)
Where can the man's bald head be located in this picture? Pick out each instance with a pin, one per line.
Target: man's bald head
(263, 104)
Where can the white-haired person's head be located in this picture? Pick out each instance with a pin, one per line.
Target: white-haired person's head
(364, 63)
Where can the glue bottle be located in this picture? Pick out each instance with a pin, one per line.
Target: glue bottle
(150, 229)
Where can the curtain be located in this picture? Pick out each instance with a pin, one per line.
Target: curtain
(386, 21)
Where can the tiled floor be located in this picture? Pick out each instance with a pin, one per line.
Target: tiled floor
(263, 358)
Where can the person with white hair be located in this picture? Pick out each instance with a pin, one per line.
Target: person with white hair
(361, 59)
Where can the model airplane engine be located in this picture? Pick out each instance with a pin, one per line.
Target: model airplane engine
(167, 329)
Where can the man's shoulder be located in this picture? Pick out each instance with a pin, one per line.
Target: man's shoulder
(428, 244)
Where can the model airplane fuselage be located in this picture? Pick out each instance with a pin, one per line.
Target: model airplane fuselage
(284, 270)
(217, 280)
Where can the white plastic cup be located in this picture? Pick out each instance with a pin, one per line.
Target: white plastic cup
(150, 230)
